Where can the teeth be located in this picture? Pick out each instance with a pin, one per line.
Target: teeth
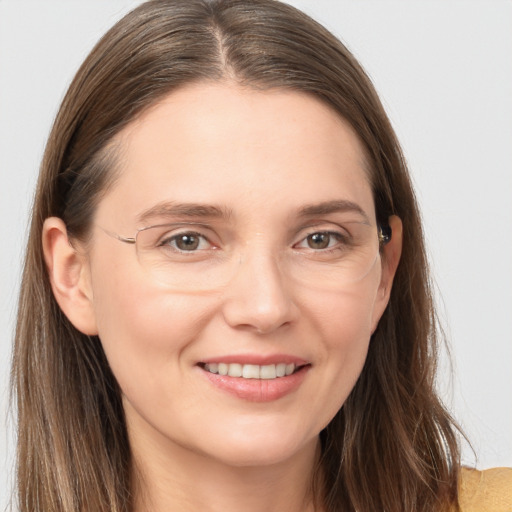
(268, 371)
(281, 370)
(235, 370)
(251, 371)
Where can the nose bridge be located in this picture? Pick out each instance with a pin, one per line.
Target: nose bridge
(259, 294)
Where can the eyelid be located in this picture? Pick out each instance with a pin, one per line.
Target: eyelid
(180, 232)
(338, 238)
(321, 227)
(174, 238)
(170, 232)
(205, 231)
(176, 225)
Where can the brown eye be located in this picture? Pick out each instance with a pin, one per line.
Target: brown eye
(187, 242)
(319, 240)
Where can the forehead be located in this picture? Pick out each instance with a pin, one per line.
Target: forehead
(238, 148)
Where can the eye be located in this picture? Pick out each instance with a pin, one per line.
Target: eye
(321, 240)
(186, 242)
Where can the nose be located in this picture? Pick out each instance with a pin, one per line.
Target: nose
(259, 297)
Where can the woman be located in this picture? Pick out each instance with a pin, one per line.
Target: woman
(226, 315)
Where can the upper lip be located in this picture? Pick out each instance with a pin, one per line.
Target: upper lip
(256, 359)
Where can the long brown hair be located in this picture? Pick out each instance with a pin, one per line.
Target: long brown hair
(392, 445)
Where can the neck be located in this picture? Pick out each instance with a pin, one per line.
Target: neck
(176, 478)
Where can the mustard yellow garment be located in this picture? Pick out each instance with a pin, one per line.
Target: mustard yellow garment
(486, 491)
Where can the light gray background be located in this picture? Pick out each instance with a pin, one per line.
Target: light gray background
(443, 69)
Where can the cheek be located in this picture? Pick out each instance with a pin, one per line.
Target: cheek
(347, 339)
(144, 330)
(345, 316)
(345, 320)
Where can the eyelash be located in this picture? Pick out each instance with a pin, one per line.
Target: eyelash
(341, 241)
(340, 238)
(166, 241)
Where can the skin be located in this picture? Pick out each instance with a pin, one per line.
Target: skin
(262, 156)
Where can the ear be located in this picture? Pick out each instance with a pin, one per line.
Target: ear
(390, 257)
(68, 270)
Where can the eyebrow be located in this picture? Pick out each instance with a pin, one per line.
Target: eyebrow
(192, 210)
(200, 210)
(335, 206)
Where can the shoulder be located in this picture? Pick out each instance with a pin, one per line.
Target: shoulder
(485, 491)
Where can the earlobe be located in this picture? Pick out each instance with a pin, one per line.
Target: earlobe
(390, 258)
(69, 276)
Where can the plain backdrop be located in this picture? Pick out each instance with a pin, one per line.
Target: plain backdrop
(443, 70)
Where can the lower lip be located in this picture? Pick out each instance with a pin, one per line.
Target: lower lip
(258, 390)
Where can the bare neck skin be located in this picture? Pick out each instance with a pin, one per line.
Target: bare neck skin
(179, 479)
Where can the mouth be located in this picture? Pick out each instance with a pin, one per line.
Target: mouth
(256, 382)
(252, 371)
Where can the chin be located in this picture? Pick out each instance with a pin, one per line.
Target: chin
(262, 449)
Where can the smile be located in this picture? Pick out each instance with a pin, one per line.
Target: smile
(252, 371)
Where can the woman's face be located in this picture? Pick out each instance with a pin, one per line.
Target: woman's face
(270, 265)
